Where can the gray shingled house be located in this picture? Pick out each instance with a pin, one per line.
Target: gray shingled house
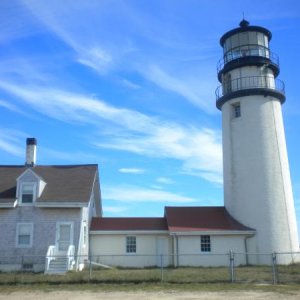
(45, 214)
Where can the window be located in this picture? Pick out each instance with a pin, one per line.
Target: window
(244, 38)
(260, 39)
(205, 243)
(234, 41)
(27, 266)
(252, 37)
(130, 244)
(24, 235)
(236, 110)
(227, 88)
(27, 193)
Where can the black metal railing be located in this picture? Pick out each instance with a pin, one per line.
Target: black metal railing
(250, 82)
(245, 51)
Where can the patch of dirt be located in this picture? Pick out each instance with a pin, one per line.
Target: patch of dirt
(86, 295)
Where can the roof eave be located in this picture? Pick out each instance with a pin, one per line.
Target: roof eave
(49, 204)
(213, 232)
(107, 232)
(9, 204)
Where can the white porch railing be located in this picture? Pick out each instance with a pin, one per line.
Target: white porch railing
(70, 256)
(49, 256)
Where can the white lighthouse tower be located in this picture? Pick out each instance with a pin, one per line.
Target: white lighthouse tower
(257, 185)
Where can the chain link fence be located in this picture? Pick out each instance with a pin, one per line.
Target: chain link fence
(184, 268)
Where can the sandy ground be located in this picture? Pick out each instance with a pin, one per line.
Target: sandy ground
(69, 295)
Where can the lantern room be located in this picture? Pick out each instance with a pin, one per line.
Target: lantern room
(248, 66)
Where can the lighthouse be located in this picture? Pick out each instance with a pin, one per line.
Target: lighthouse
(257, 184)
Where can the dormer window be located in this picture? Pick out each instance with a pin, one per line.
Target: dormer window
(30, 187)
(27, 193)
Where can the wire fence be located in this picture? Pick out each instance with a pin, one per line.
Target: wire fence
(275, 268)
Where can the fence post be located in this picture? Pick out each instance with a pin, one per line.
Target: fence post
(90, 267)
(161, 268)
(231, 257)
(274, 269)
(22, 269)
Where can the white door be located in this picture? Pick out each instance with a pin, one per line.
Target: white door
(162, 251)
(64, 236)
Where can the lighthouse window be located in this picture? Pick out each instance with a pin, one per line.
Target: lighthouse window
(266, 41)
(260, 39)
(252, 38)
(234, 42)
(244, 39)
(227, 84)
(236, 110)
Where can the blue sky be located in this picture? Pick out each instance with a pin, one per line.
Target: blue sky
(130, 85)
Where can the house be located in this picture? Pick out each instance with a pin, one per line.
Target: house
(45, 214)
(185, 236)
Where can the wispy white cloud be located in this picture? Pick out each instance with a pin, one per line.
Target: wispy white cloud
(69, 24)
(199, 149)
(13, 142)
(9, 142)
(73, 157)
(16, 21)
(68, 106)
(132, 194)
(114, 209)
(14, 108)
(131, 170)
(9, 106)
(274, 15)
(165, 180)
(191, 89)
(130, 84)
(95, 58)
(98, 46)
(156, 187)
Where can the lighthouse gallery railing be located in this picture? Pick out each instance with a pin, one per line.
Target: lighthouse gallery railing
(245, 51)
(249, 82)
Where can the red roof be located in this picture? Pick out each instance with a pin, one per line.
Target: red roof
(176, 219)
(116, 224)
(201, 219)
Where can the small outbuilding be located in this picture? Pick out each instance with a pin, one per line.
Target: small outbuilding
(185, 236)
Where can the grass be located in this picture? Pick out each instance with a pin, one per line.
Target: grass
(150, 287)
(203, 278)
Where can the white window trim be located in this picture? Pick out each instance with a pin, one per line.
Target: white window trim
(21, 193)
(130, 253)
(17, 235)
(210, 246)
(57, 232)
